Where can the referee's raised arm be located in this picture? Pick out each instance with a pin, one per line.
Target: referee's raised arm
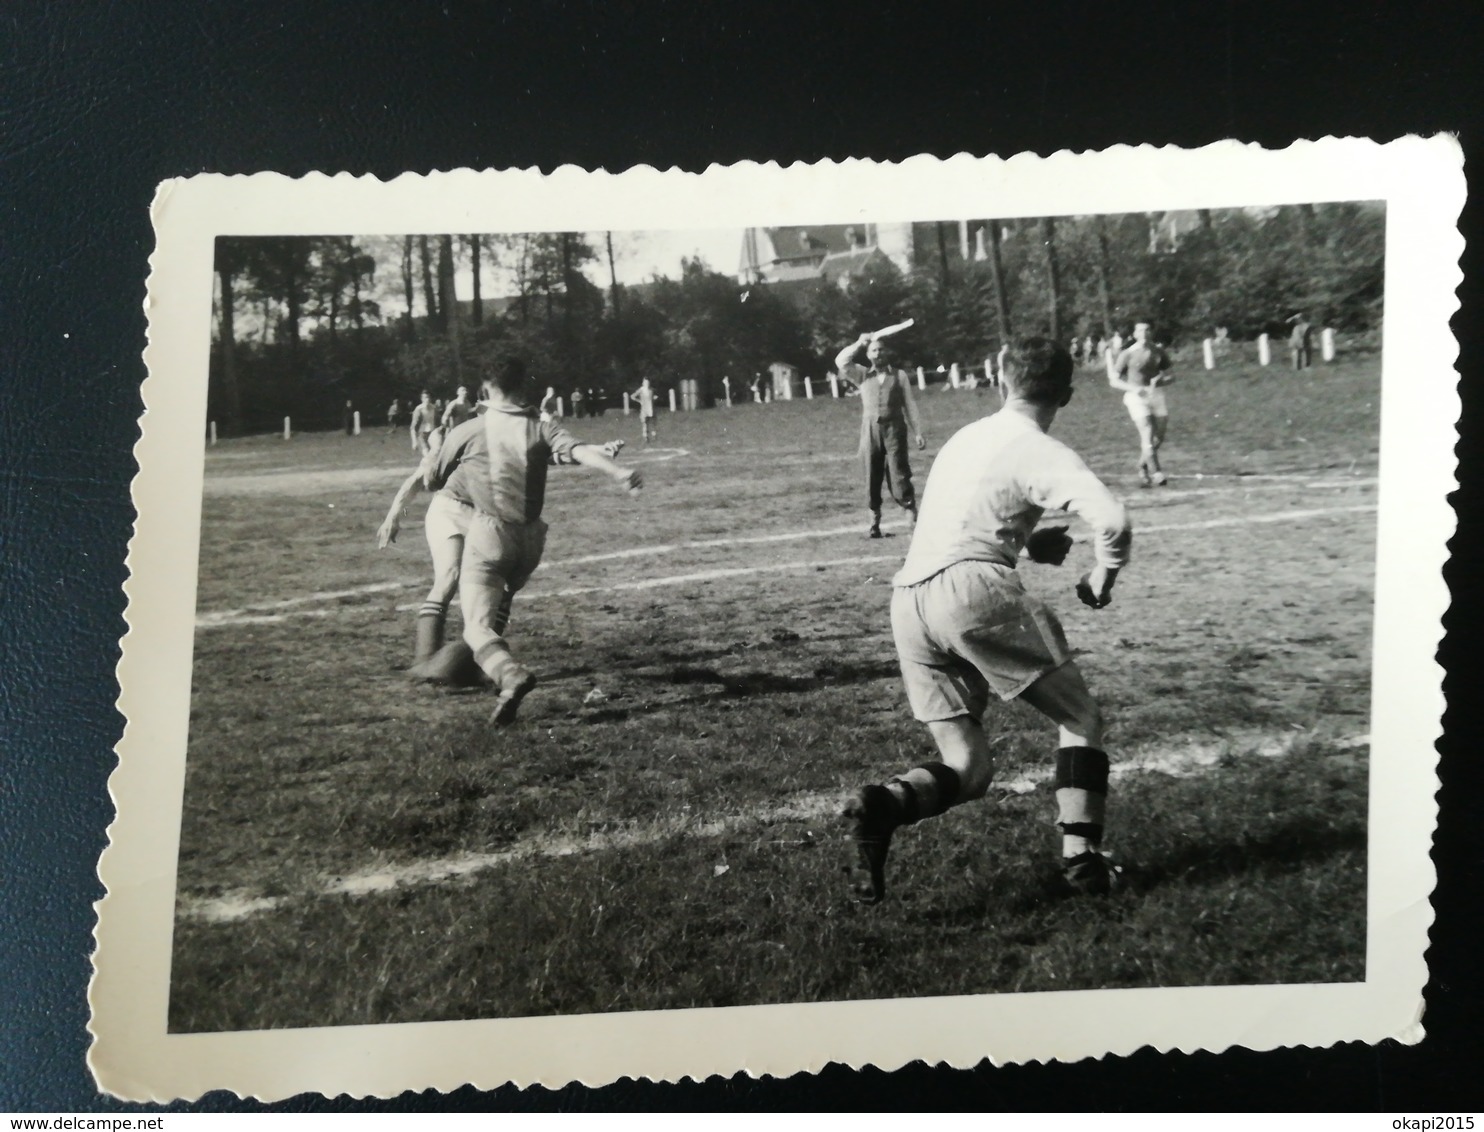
(846, 356)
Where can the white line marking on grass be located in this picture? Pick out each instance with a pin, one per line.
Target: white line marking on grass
(263, 613)
(649, 455)
(1241, 520)
(247, 615)
(1181, 760)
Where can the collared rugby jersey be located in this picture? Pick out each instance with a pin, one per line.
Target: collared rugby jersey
(989, 487)
(497, 462)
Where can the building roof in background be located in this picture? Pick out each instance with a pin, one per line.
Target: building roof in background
(811, 241)
(840, 266)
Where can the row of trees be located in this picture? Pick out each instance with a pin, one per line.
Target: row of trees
(307, 323)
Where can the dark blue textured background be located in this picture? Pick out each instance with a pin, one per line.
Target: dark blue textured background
(101, 101)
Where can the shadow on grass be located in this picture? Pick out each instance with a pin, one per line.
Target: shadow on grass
(1284, 849)
(743, 685)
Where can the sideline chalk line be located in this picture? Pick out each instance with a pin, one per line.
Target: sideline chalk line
(1181, 761)
(270, 612)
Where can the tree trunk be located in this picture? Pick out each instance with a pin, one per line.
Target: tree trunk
(943, 255)
(430, 298)
(476, 308)
(1101, 227)
(409, 287)
(567, 290)
(612, 276)
(997, 273)
(231, 395)
(295, 303)
(1048, 237)
(448, 303)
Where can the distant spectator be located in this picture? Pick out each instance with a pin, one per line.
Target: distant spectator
(393, 415)
(549, 404)
(1301, 341)
(578, 402)
(350, 419)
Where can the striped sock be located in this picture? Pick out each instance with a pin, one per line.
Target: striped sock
(1081, 798)
(925, 791)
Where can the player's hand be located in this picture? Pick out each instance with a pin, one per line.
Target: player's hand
(631, 479)
(386, 534)
(921, 442)
(1096, 587)
(1049, 546)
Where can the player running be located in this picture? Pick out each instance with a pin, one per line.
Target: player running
(445, 527)
(424, 421)
(459, 410)
(644, 395)
(1142, 372)
(498, 461)
(887, 410)
(964, 625)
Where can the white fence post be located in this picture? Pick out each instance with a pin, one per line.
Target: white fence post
(287, 429)
(1264, 351)
(726, 384)
(1327, 343)
(560, 411)
(355, 426)
(921, 380)
(1000, 361)
(835, 386)
(808, 389)
(672, 399)
(625, 402)
(213, 432)
(953, 375)
(1208, 352)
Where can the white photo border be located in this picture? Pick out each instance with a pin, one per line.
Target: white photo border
(133, 1056)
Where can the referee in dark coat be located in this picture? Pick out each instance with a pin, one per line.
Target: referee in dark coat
(888, 410)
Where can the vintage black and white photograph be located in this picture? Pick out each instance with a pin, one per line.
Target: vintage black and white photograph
(828, 603)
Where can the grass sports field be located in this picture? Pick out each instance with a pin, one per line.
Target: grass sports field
(658, 829)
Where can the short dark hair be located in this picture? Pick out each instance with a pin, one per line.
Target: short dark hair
(1038, 370)
(510, 377)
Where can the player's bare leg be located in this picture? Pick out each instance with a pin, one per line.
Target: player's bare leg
(1157, 427)
(1149, 469)
(1063, 697)
(963, 774)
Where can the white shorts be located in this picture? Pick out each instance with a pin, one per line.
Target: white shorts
(446, 525)
(970, 630)
(1145, 403)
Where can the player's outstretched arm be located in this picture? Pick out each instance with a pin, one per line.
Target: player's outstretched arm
(386, 534)
(591, 456)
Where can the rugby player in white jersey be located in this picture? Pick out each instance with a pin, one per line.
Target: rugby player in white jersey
(965, 627)
(644, 396)
(1142, 371)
